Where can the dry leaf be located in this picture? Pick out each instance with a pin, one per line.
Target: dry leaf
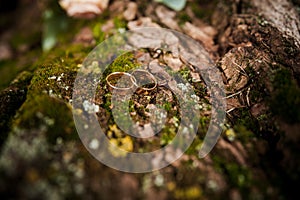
(84, 8)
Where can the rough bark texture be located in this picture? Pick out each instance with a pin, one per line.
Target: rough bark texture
(255, 45)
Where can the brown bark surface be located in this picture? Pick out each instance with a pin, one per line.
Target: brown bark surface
(255, 44)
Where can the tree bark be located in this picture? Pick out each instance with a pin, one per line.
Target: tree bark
(255, 45)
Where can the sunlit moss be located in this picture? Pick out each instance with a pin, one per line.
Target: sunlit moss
(49, 92)
(122, 63)
(119, 23)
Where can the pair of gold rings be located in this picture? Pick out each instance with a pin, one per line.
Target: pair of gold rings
(123, 82)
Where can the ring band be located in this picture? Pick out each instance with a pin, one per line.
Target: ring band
(150, 76)
(115, 76)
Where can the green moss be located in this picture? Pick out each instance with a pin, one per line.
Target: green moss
(123, 63)
(50, 88)
(120, 23)
(57, 71)
(12, 98)
(167, 106)
(97, 33)
(49, 114)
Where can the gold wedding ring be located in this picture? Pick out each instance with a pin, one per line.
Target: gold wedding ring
(123, 82)
(144, 80)
(120, 82)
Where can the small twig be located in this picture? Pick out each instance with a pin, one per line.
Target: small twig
(241, 69)
(230, 110)
(247, 96)
(234, 94)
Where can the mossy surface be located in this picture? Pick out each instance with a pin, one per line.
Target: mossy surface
(12, 98)
(44, 158)
(53, 115)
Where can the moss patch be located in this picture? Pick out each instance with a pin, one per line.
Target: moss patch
(51, 87)
(48, 114)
